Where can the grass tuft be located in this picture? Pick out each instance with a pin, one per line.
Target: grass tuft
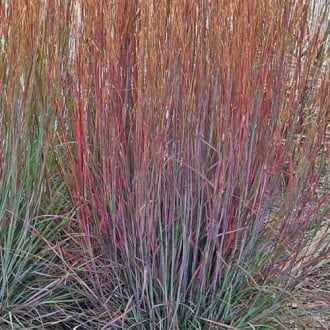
(163, 165)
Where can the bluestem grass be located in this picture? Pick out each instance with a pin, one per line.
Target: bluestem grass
(188, 140)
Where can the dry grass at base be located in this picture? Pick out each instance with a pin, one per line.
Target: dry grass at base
(308, 306)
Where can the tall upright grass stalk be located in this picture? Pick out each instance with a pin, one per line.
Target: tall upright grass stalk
(188, 136)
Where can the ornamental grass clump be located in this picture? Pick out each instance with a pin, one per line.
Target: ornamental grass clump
(185, 145)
